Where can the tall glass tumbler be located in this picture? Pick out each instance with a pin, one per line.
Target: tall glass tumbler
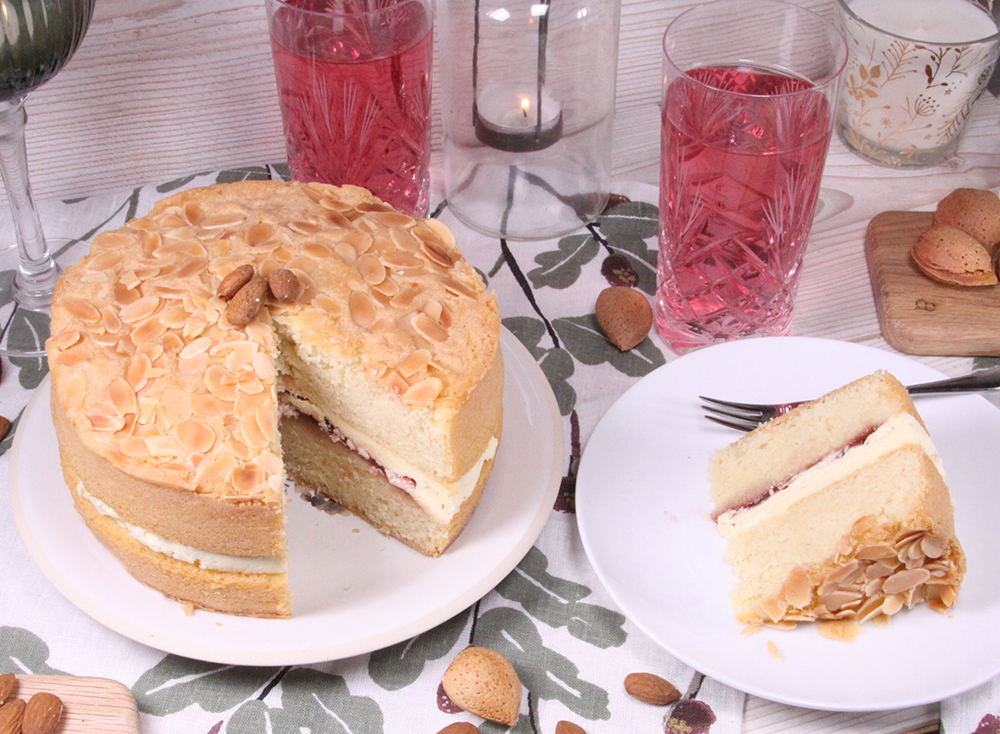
(749, 92)
(354, 83)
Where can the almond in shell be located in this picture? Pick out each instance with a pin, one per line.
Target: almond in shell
(483, 682)
(624, 315)
(42, 714)
(651, 688)
(950, 255)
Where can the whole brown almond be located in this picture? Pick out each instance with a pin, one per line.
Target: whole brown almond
(11, 715)
(246, 304)
(651, 688)
(568, 727)
(624, 315)
(4, 430)
(285, 285)
(236, 279)
(8, 682)
(42, 714)
(460, 727)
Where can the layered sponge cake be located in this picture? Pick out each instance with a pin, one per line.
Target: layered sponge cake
(242, 333)
(838, 510)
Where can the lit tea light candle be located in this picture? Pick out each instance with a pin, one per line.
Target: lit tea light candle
(516, 118)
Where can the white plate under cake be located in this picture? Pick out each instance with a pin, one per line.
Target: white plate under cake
(644, 479)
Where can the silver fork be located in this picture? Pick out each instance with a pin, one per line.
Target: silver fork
(747, 416)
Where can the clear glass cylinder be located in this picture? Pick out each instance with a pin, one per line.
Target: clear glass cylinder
(528, 106)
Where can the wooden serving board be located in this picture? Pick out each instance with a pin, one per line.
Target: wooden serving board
(90, 705)
(918, 315)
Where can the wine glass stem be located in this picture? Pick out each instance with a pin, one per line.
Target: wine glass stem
(37, 272)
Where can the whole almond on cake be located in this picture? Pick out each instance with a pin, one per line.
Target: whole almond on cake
(950, 255)
(483, 682)
(624, 315)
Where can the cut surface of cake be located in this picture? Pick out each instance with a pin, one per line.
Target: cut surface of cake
(245, 332)
(838, 510)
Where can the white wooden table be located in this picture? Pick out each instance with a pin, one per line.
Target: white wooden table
(170, 87)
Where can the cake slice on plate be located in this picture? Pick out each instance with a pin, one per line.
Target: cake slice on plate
(838, 510)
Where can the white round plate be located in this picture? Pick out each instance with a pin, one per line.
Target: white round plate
(354, 590)
(643, 507)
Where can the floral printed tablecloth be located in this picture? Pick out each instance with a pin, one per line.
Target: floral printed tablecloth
(570, 645)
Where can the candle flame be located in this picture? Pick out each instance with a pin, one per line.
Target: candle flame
(525, 105)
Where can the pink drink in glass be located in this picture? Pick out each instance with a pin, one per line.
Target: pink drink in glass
(742, 156)
(355, 96)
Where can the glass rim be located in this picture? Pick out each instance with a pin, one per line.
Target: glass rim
(993, 37)
(290, 5)
(832, 78)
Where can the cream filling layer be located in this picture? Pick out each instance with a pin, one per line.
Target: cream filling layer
(900, 430)
(184, 553)
(440, 500)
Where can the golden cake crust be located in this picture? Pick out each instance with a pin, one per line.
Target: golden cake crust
(171, 347)
(155, 378)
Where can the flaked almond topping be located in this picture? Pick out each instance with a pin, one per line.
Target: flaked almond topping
(317, 250)
(392, 219)
(259, 233)
(206, 404)
(933, 546)
(346, 253)
(304, 227)
(407, 295)
(217, 470)
(220, 382)
(74, 356)
(193, 213)
(198, 346)
(414, 362)
(360, 241)
(362, 309)
(107, 259)
(285, 285)
(876, 552)
(437, 254)
(64, 340)
(402, 261)
(429, 328)
(797, 588)
(235, 280)
(105, 423)
(139, 310)
(83, 310)
(122, 396)
(247, 479)
(334, 204)
(371, 269)
(223, 220)
(404, 240)
(195, 435)
(388, 288)
(905, 580)
(456, 287)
